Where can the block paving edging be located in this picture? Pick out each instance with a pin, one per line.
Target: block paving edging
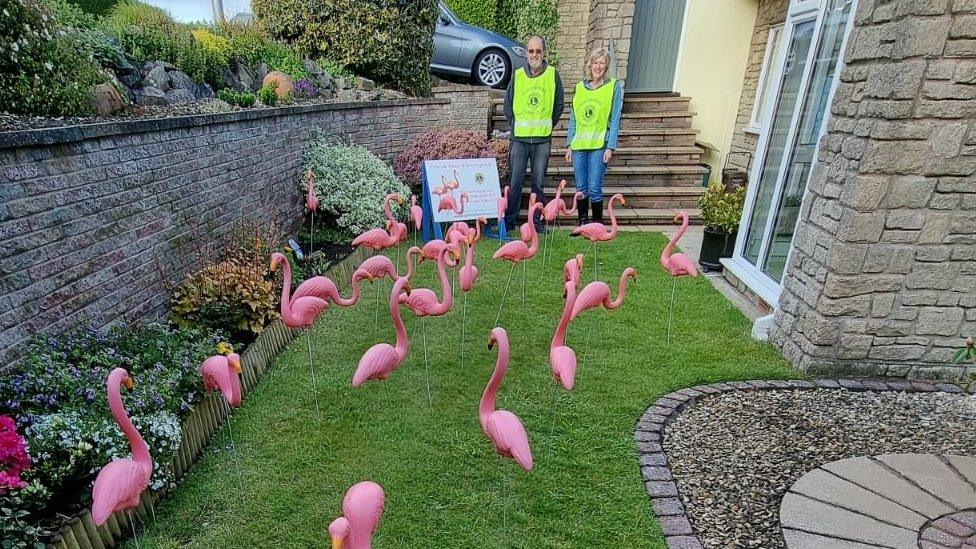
(649, 434)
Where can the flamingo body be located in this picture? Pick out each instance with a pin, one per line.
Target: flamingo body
(678, 264)
(416, 213)
(423, 301)
(598, 232)
(503, 203)
(518, 250)
(361, 511)
(311, 199)
(378, 239)
(597, 293)
(562, 358)
(223, 372)
(119, 484)
(380, 360)
(503, 428)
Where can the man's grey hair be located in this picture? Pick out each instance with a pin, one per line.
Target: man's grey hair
(545, 45)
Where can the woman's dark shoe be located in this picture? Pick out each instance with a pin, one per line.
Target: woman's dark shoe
(597, 211)
(582, 211)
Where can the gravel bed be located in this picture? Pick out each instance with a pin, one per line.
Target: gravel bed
(735, 454)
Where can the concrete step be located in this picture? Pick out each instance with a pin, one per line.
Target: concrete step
(632, 121)
(628, 216)
(640, 176)
(632, 104)
(642, 156)
(644, 137)
(637, 197)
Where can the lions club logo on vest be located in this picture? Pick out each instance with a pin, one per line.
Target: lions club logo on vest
(589, 110)
(535, 99)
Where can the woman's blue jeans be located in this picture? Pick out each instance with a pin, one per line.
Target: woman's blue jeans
(589, 168)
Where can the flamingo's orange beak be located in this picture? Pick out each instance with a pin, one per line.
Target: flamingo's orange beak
(399, 199)
(634, 276)
(236, 364)
(491, 342)
(408, 288)
(128, 383)
(623, 201)
(677, 219)
(336, 543)
(273, 266)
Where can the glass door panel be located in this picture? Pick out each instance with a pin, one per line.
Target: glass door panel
(782, 118)
(814, 112)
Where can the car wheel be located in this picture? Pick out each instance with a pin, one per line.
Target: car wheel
(492, 68)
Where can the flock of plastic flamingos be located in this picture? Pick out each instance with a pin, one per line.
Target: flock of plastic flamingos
(120, 484)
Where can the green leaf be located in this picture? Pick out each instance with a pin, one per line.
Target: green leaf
(959, 355)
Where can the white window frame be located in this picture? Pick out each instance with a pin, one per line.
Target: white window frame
(769, 72)
(752, 275)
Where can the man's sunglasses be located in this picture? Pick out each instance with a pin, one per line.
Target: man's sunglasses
(536, 51)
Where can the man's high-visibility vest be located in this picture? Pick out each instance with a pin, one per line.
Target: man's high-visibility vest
(532, 100)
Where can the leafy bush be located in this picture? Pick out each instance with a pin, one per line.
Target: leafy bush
(252, 45)
(481, 13)
(268, 95)
(95, 7)
(518, 19)
(13, 456)
(967, 353)
(69, 15)
(389, 41)
(440, 145)
(57, 397)
(721, 208)
(351, 183)
(42, 70)
(241, 99)
(148, 33)
(334, 68)
(217, 47)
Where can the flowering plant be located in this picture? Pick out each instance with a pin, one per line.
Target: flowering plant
(13, 456)
(305, 89)
(440, 145)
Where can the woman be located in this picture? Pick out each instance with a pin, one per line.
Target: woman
(594, 124)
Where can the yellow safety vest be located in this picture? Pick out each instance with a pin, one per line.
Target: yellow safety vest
(532, 100)
(591, 110)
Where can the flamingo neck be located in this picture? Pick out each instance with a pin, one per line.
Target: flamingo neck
(477, 230)
(235, 383)
(469, 256)
(401, 330)
(621, 290)
(410, 262)
(286, 292)
(488, 398)
(463, 201)
(666, 252)
(446, 297)
(573, 209)
(140, 450)
(559, 338)
(613, 219)
(351, 300)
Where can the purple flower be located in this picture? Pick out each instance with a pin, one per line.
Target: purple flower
(307, 89)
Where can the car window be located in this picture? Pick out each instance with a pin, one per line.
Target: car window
(446, 11)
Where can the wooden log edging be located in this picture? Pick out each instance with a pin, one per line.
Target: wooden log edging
(649, 434)
(198, 427)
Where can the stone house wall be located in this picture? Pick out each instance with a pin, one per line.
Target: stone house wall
(574, 26)
(770, 13)
(585, 24)
(882, 274)
(91, 217)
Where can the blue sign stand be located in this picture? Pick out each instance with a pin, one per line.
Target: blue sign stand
(431, 230)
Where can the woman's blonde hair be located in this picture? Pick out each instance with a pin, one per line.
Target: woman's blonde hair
(591, 57)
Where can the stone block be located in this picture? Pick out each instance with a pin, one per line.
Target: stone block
(887, 109)
(905, 219)
(917, 37)
(937, 276)
(854, 346)
(940, 69)
(837, 286)
(895, 80)
(893, 157)
(844, 258)
(861, 227)
(900, 353)
(963, 26)
(888, 130)
(933, 254)
(946, 108)
(910, 191)
(947, 140)
(921, 7)
(935, 229)
(881, 305)
(939, 321)
(849, 306)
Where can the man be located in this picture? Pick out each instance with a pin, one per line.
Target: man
(533, 105)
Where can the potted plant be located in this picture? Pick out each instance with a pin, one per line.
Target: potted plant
(721, 210)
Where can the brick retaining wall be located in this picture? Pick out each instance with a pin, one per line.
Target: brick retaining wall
(91, 216)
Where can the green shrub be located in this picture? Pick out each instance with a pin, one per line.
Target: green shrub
(268, 95)
(43, 71)
(334, 68)
(351, 183)
(149, 33)
(217, 47)
(252, 45)
(95, 7)
(387, 40)
(241, 99)
(721, 208)
(69, 15)
(519, 19)
(481, 13)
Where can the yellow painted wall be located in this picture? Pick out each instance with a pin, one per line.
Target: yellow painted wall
(711, 64)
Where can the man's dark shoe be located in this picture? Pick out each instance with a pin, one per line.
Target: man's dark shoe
(541, 229)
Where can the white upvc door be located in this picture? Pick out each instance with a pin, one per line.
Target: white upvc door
(808, 67)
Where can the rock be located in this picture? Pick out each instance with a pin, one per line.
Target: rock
(204, 91)
(150, 65)
(244, 78)
(365, 84)
(106, 99)
(179, 80)
(131, 80)
(348, 96)
(175, 97)
(311, 67)
(324, 81)
(157, 78)
(341, 84)
(375, 95)
(149, 96)
(262, 72)
(285, 83)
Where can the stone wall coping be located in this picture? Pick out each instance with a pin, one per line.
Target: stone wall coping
(653, 459)
(68, 134)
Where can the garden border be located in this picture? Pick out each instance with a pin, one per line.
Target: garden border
(66, 134)
(198, 427)
(649, 434)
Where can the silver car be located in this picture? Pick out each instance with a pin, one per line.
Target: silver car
(464, 50)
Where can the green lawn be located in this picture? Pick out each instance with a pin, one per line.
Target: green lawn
(445, 486)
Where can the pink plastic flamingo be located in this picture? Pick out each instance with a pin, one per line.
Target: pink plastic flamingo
(416, 213)
(447, 203)
(380, 266)
(469, 272)
(562, 358)
(379, 239)
(432, 250)
(223, 372)
(525, 232)
(457, 232)
(296, 311)
(361, 511)
(380, 360)
(572, 269)
(423, 301)
(502, 427)
(397, 227)
(503, 203)
(556, 205)
(312, 204)
(519, 250)
(119, 484)
(678, 264)
(597, 293)
(598, 232)
(570, 211)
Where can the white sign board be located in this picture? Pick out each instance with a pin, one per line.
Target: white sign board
(463, 189)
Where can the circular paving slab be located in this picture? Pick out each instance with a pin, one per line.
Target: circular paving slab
(901, 501)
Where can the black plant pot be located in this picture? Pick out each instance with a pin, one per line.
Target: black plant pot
(716, 244)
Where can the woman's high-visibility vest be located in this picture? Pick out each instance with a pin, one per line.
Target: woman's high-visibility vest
(591, 109)
(532, 100)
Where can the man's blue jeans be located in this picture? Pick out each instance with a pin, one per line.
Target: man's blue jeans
(519, 156)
